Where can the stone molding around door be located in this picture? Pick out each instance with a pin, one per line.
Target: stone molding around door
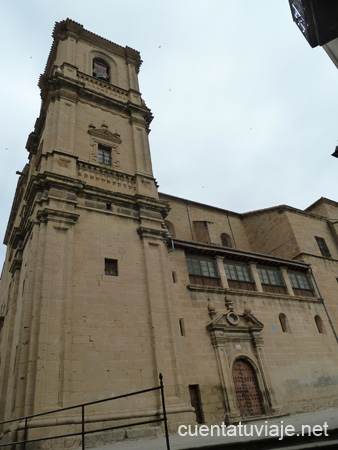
(237, 337)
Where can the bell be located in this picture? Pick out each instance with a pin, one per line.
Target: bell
(102, 75)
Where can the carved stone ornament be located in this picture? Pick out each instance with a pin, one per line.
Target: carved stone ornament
(211, 308)
(230, 322)
(104, 134)
(238, 336)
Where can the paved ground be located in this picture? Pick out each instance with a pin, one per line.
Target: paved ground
(326, 421)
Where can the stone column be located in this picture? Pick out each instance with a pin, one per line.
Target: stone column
(221, 271)
(231, 413)
(287, 281)
(10, 337)
(163, 322)
(268, 392)
(49, 357)
(133, 79)
(256, 278)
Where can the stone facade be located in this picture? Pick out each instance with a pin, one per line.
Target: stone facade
(107, 283)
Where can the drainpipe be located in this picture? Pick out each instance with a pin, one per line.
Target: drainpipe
(327, 312)
(232, 233)
(172, 246)
(188, 211)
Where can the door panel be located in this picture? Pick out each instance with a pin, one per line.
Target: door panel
(247, 391)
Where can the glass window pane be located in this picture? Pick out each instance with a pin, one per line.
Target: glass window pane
(293, 280)
(303, 282)
(193, 267)
(247, 273)
(233, 274)
(212, 269)
(227, 271)
(300, 281)
(273, 277)
(263, 276)
(204, 268)
(240, 273)
(196, 267)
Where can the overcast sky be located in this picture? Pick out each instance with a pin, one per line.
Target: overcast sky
(245, 112)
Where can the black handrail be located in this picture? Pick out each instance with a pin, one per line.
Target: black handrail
(83, 432)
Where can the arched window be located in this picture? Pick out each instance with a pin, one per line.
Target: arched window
(101, 69)
(225, 239)
(284, 323)
(170, 228)
(320, 324)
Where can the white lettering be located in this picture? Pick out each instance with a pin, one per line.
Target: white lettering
(180, 432)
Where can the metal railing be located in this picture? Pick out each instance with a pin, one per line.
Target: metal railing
(83, 431)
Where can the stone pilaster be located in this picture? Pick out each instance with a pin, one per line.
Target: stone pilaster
(256, 278)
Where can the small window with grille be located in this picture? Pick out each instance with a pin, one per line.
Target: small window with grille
(110, 267)
(104, 155)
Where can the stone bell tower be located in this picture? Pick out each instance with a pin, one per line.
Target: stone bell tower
(86, 299)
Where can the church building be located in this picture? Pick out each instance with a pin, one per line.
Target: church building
(108, 282)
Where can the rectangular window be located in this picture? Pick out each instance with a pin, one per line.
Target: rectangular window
(272, 281)
(239, 276)
(104, 155)
(301, 284)
(273, 277)
(203, 271)
(110, 267)
(324, 250)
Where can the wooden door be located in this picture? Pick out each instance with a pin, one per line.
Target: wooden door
(248, 395)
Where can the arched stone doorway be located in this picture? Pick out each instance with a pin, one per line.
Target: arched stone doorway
(248, 394)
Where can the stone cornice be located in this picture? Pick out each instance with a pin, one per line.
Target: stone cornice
(43, 187)
(146, 232)
(320, 201)
(122, 181)
(48, 214)
(33, 192)
(73, 89)
(242, 292)
(240, 255)
(153, 204)
(169, 197)
(311, 255)
(281, 209)
(16, 264)
(19, 194)
(278, 208)
(69, 28)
